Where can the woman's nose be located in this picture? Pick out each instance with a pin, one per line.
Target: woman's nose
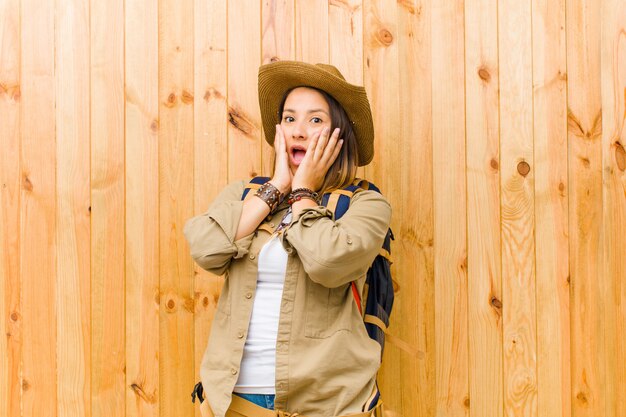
(298, 131)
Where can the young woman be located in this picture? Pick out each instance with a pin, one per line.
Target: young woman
(288, 335)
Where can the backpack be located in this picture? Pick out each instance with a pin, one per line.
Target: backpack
(378, 291)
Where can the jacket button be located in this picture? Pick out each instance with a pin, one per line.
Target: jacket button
(272, 224)
(233, 371)
(289, 250)
(252, 257)
(248, 295)
(349, 241)
(240, 335)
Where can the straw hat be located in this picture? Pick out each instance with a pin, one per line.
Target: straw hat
(276, 78)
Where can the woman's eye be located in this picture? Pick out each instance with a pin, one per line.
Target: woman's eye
(288, 119)
(316, 120)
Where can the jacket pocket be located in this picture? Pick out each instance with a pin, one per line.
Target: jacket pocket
(326, 310)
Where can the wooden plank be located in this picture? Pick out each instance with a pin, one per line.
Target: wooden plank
(483, 209)
(73, 304)
(175, 205)
(345, 33)
(381, 56)
(551, 195)
(107, 209)
(312, 31)
(585, 208)
(244, 58)
(38, 247)
(142, 208)
(613, 67)
(517, 209)
(413, 218)
(10, 308)
(450, 207)
(210, 149)
(278, 42)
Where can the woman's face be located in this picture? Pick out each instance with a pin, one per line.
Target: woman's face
(305, 113)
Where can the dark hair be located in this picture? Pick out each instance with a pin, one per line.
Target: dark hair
(343, 171)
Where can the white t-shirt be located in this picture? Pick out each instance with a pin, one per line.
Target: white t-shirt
(257, 372)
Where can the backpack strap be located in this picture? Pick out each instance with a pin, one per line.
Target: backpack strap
(254, 184)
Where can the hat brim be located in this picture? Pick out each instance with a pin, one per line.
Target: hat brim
(276, 78)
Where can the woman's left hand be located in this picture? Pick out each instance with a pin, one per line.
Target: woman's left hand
(320, 155)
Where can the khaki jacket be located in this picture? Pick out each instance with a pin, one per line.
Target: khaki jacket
(325, 362)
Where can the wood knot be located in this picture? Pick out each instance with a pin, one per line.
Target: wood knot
(186, 97)
(212, 92)
(253, 174)
(523, 168)
(138, 390)
(582, 397)
(240, 121)
(466, 402)
(26, 184)
(274, 59)
(16, 93)
(620, 156)
(154, 126)
(494, 164)
(25, 385)
(385, 37)
(171, 304)
(205, 302)
(14, 316)
(495, 303)
(484, 74)
(561, 187)
(171, 100)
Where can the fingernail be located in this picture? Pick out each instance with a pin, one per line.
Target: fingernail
(336, 131)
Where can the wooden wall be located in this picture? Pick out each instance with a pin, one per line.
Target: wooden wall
(500, 144)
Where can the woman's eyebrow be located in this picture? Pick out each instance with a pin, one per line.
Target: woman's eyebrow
(309, 112)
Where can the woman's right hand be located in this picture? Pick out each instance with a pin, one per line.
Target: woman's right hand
(282, 173)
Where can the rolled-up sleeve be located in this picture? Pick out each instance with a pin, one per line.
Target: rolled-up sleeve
(211, 235)
(336, 252)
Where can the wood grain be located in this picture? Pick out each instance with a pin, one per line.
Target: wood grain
(142, 209)
(412, 218)
(244, 117)
(584, 131)
(210, 150)
(345, 34)
(277, 44)
(38, 245)
(381, 57)
(73, 304)
(10, 278)
(517, 209)
(176, 342)
(613, 76)
(107, 209)
(483, 196)
(312, 31)
(450, 207)
(551, 208)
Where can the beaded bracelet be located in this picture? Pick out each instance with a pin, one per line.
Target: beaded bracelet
(269, 194)
(300, 193)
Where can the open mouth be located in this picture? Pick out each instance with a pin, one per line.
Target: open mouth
(297, 154)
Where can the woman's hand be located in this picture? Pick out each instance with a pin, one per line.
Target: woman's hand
(320, 155)
(282, 174)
